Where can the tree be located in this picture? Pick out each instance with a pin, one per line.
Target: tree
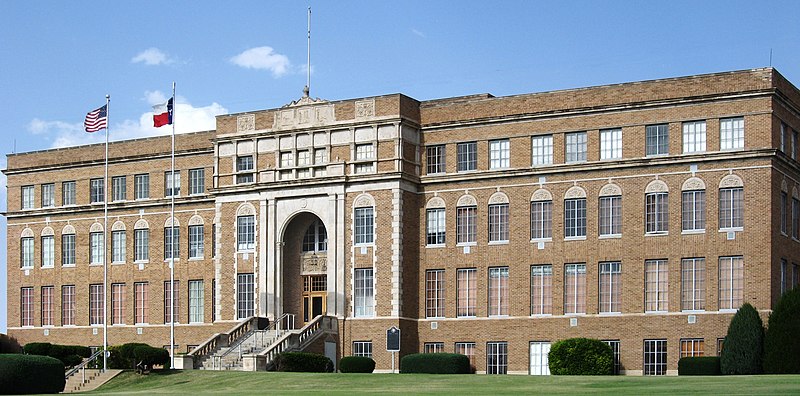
(744, 345)
(781, 342)
(581, 356)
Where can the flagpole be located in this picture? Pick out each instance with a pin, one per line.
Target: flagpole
(172, 244)
(105, 247)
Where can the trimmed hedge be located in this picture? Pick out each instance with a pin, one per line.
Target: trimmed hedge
(70, 355)
(435, 363)
(581, 356)
(122, 355)
(303, 362)
(26, 374)
(356, 364)
(699, 365)
(781, 342)
(128, 356)
(9, 344)
(743, 347)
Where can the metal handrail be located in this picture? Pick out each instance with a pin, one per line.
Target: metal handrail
(275, 326)
(82, 366)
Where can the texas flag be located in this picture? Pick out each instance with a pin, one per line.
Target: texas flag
(162, 114)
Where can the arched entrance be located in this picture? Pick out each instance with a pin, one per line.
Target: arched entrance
(305, 266)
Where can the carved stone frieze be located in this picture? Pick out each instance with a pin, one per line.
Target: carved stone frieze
(196, 220)
(68, 229)
(96, 227)
(246, 209)
(575, 192)
(27, 233)
(541, 195)
(365, 108)
(610, 190)
(498, 198)
(467, 200)
(435, 202)
(246, 122)
(656, 186)
(693, 183)
(314, 263)
(364, 200)
(118, 226)
(141, 224)
(731, 181)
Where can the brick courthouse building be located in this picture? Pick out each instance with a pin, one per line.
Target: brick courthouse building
(643, 214)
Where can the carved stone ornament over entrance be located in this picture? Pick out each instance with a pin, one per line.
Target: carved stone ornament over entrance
(315, 263)
(246, 122)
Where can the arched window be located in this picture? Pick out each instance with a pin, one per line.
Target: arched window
(316, 238)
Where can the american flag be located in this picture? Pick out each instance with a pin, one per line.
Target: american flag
(96, 119)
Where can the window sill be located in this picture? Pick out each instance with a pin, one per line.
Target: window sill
(493, 243)
(141, 324)
(141, 262)
(466, 317)
(655, 312)
(610, 313)
(610, 236)
(732, 229)
(26, 268)
(575, 238)
(537, 240)
(660, 155)
(196, 258)
(784, 234)
(47, 267)
(117, 263)
(498, 316)
(245, 251)
(435, 246)
(656, 234)
(143, 199)
(119, 201)
(467, 170)
(95, 264)
(434, 317)
(167, 261)
(693, 311)
(693, 232)
(727, 310)
(541, 315)
(467, 244)
(68, 266)
(575, 314)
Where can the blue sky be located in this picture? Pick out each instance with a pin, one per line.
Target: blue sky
(58, 59)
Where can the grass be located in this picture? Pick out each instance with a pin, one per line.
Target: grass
(247, 383)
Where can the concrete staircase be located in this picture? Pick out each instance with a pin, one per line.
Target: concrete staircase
(230, 357)
(85, 380)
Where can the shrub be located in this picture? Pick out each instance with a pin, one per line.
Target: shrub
(699, 365)
(781, 342)
(435, 363)
(303, 362)
(70, 355)
(744, 345)
(122, 356)
(356, 364)
(9, 344)
(147, 357)
(38, 348)
(25, 374)
(581, 356)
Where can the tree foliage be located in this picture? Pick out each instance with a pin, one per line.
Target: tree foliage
(581, 356)
(782, 339)
(743, 348)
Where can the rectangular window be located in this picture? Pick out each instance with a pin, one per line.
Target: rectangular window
(48, 251)
(783, 137)
(96, 248)
(197, 181)
(498, 291)
(784, 276)
(610, 213)
(614, 344)
(196, 246)
(610, 274)
(466, 226)
(96, 304)
(575, 218)
(47, 305)
(731, 282)
(303, 160)
(656, 213)
(246, 233)
(119, 189)
(499, 154)
(68, 249)
(68, 305)
(731, 133)
(691, 347)
(795, 218)
(497, 357)
(541, 219)
(436, 159)
(171, 302)
(498, 223)
(434, 293)
(118, 246)
(694, 137)
(96, 191)
(655, 357)
(574, 289)
(539, 352)
(433, 347)
(196, 294)
(467, 349)
(287, 160)
(364, 226)
(244, 167)
(141, 244)
(542, 150)
(26, 258)
(436, 226)
(731, 208)
(26, 306)
(467, 156)
(365, 152)
(172, 243)
(693, 210)
(48, 195)
(118, 303)
(68, 193)
(362, 348)
(364, 293)
(467, 292)
(693, 284)
(575, 149)
(610, 144)
(172, 184)
(141, 186)
(656, 283)
(27, 197)
(794, 144)
(783, 213)
(141, 301)
(657, 139)
(541, 289)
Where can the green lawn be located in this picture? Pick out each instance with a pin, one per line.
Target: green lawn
(248, 383)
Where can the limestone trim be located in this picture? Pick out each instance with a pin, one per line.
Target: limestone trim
(26, 233)
(118, 226)
(656, 186)
(541, 195)
(68, 229)
(364, 200)
(246, 209)
(575, 192)
(498, 198)
(610, 190)
(196, 220)
(467, 200)
(47, 231)
(784, 185)
(435, 203)
(731, 181)
(141, 224)
(96, 227)
(693, 183)
(168, 222)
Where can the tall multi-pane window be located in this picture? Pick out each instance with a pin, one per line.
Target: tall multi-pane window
(365, 154)
(118, 303)
(48, 251)
(497, 357)
(614, 344)
(197, 182)
(657, 139)
(96, 248)
(542, 150)
(694, 137)
(784, 276)
(783, 137)
(316, 237)
(610, 144)
(731, 133)
(172, 184)
(68, 193)
(364, 292)
(498, 291)
(47, 305)
(499, 154)
(574, 289)
(141, 299)
(96, 304)
(26, 257)
(196, 297)
(27, 197)
(26, 306)
(96, 191)
(731, 208)
(196, 245)
(541, 219)
(68, 305)
(171, 302)
(436, 159)
(287, 160)
(575, 217)
(784, 212)
(48, 195)
(303, 163)
(467, 156)
(610, 284)
(539, 353)
(656, 286)
(655, 357)
(794, 144)
(693, 284)
(575, 150)
(244, 168)
(466, 226)
(693, 210)
(362, 348)
(467, 349)
(433, 347)
(610, 215)
(656, 212)
(436, 226)
(141, 244)
(119, 189)
(172, 243)
(691, 347)
(467, 290)
(541, 289)
(731, 282)
(795, 218)
(364, 226)
(498, 222)
(434, 293)
(141, 186)
(245, 233)
(68, 249)
(320, 158)
(118, 246)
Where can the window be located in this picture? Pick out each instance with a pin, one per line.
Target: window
(196, 245)
(96, 191)
(433, 347)
(118, 303)
(655, 357)
(213, 300)
(794, 144)
(48, 251)
(467, 292)
(574, 289)
(610, 283)
(171, 301)
(141, 298)
(246, 233)
(303, 159)
(197, 183)
(466, 227)
(795, 218)
(363, 288)
(244, 167)
(434, 293)
(498, 291)
(436, 226)
(68, 193)
(118, 246)
(320, 156)
(27, 197)
(731, 133)
(68, 249)
(576, 147)
(657, 139)
(610, 222)
(141, 244)
(731, 208)
(693, 210)
(196, 301)
(141, 186)
(575, 218)
(693, 284)
(656, 213)
(48, 195)
(539, 362)
(316, 238)
(541, 289)
(26, 306)
(467, 349)
(172, 242)
(731, 282)
(542, 150)
(614, 344)
(656, 285)
(68, 305)
(172, 184)
(691, 347)
(119, 190)
(364, 153)
(784, 276)
(96, 248)
(496, 357)
(541, 219)
(436, 159)
(362, 348)
(783, 137)
(287, 159)
(47, 305)
(467, 156)
(499, 154)
(610, 144)
(26, 259)
(364, 226)
(783, 211)
(96, 304)
(498, 223)
(694, 137)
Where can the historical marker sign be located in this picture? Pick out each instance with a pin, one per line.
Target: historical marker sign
(393, 339)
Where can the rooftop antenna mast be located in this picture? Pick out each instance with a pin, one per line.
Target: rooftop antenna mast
(307, 89)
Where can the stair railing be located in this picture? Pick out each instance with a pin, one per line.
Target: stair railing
(82, 366)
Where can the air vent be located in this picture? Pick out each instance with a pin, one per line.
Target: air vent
(434, 325)
(731, 235)
(139, 330)
(692, 319)
(573, 322)
(46, 332)
(94, 331)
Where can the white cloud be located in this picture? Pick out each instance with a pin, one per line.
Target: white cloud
(152, 57)
(418, 33)
(263, 58)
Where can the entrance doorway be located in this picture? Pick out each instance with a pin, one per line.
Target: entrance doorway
(315, 295)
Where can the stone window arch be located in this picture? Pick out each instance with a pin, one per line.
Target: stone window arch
(96, 227)
(246, 209)
(27, 233)
(196, 220)
(731, 181)
(435, 203)
(118, 226)
(168, 222)
(692, 184)
(575, 192)
(656, 186)
(610, 190)
(541, 195)
(68, 230)
(466, 200)
(141, 224)
(47, 231)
